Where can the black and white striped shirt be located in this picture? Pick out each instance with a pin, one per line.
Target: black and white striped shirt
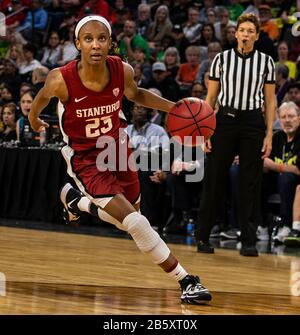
(242, 78)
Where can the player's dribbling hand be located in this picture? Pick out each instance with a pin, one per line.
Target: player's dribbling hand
(37, 124)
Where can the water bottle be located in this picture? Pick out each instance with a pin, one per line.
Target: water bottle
(43, 137)
(27, 132)
(190, 227)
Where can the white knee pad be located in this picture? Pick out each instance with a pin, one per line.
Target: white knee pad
(145, 237)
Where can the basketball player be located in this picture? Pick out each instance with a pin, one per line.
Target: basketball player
(96, 83)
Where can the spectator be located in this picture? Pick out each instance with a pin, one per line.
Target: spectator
(265, 45)
(139, 77)
(253, 7)
(157, 117)
(29, 63)
(39, 76)
(267, 24)
(53, 52)
(188, 71)
(199, 90)
(35, 21)
(180, 41)
(230, 40)
(15, 54)
(64, 28)
(179, 13)
(283, 58)
(14, 37)
(205, 13)
(25, 133)
(282, 82)
(164, 82)
(156, 4)
(192, 29)
(11, 77)
(184, 194)
(24, 87)
(69, 52)
(121, 16)
(211, 16)
(235, 9)
(284, 161)
(96, 7)
(207, 35)
(159, 28)
(212, 50)
(6, 95)
(9, 121)
(172, 61)
(293, 93)
(129, 40)
(143, 19)
(139, 56)
(223, 23)
(67, 5)
(16, 16)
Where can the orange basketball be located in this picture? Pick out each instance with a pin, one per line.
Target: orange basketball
(191, 117)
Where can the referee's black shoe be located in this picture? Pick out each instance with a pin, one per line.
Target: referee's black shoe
(70, 197)
(249, 250)
(205, 247)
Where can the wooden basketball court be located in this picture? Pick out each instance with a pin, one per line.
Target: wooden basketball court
(63, 273)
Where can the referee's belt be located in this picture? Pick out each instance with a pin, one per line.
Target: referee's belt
(229, 111)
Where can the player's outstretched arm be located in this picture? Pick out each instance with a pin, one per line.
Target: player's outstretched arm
(54, 87)
(142, 96)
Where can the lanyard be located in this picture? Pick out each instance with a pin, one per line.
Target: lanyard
(289, 153)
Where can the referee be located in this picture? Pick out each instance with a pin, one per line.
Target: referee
(242, 82)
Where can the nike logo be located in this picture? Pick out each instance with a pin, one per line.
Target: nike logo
(79, 99)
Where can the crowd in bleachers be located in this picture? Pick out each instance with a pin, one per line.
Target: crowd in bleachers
(170, 45)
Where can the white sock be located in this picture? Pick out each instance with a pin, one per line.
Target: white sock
(84, 204)
(296, 225)
(178, 273)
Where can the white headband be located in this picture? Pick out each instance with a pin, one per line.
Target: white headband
(92, 18)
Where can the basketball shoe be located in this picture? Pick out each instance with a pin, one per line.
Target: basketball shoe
(193, 292)
(293, 239)
(70, 197)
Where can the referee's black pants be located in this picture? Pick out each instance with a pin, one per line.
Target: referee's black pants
(241, 135)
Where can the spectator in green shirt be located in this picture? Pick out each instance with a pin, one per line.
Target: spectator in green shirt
(235, 9)
(128, 40)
